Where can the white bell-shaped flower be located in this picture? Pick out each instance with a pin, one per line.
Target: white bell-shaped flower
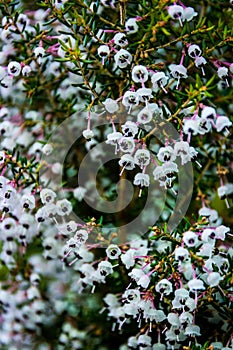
(142, 157)
(113, 251)
(129, 129)
(14, 68)
(139, 74)
(120, 39)
(123, 58)
(159, 80)
(63, 207)
(126, 144)
(194, 51)
(111, 105)
(131, 26)
(166, 154)
(196, 284)
(144, 116)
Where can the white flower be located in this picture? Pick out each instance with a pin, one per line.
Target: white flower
(190, 126)
(26, 70)
(63, 207)
(67, 228)
(127, 162)
(184, 151)
(128, 258)
(182, 254)
(144, 94)
(81, 236)
(113, 138)
(176, 12)
(225, 190)
(88, 134)
(103, 52)
(221, 232)
(189, 13)
(123, 58)
(173, 319)
(139, 74)
(222, 72)
(47, 196)
(196, 284)
(130, 99)
(14, 68)
(200, 62)
(192, 330)
(178, 71)
(47, 149)
(142, 157)
(6, 82)
(110, 105)
(131, 295)
(194, 51)
(204, 126)
(144, 116)
(129, 129)
(126, 144)
(159, 80)
(164, 287)
(222, 123)
(105, 268)
(39, 53)
(208, 235)
(144, 341)
(120, 39)
(28, 201)
(190, 238)
(141, 180)
(132, 342)
(131, 26)
(113, 251)
(208, 113)
(213, 279)
(166, 154)
(79, 193)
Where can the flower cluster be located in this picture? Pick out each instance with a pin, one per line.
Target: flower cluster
(95, 95)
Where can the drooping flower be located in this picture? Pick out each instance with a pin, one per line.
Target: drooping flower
(196, 284)
(14, 68)
(123, 58)
(139, 74)
(144, 116)
(111, 105)
(103, 52)
(166, 154)
(142, 157)
(131, 26)
(159, 81)
(178, 71)
(194, 51)
(164, 287)
(130, 99)
(113, 251)
(213, 279)
(190, 238)
(129, 129)
(120, 39)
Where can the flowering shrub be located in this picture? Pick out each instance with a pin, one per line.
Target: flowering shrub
(116, 175)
